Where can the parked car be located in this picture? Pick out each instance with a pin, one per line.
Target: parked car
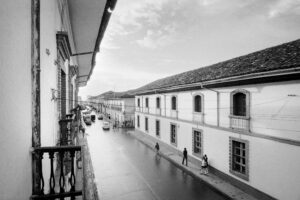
(87, 119)
(100, 117)
(93, 117)
(105, 126)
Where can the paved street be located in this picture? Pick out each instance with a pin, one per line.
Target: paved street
(127, 169)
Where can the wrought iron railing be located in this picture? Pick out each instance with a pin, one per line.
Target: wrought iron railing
(64, 161)
(158, 111)
(174, 114)
(198, 117)
(65, 157)
(240, 123)
(146, 109)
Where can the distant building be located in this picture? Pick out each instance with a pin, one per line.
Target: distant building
(118, 106)
(243, 113)
(79, 99)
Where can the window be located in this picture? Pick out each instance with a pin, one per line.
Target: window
(157, 127)
(240, 103)
(197, 143)
(147, 102)
(174, 103)
(63, 93)
(239, 157)
(173, 134)
(198, 103)
(240, 110)
(157, 102)
(138, 102)
(146, 123)
(138, 121)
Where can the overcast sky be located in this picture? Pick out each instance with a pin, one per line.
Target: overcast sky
(150, 39)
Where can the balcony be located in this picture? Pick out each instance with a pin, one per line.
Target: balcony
(240, 122)
(57, 176)
(137, 109)
(198, 117)
(63, 166)
(174, 114)
(158, 111)
(146, 110)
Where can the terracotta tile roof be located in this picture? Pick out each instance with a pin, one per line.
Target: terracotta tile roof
(283, 56)
(113, 95)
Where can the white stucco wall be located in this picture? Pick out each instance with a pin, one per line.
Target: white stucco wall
(274, 111)
(49, 25)
(15, 106)
(49, 112)
(127, 105)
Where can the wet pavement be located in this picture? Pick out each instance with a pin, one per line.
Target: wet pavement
(126, 169)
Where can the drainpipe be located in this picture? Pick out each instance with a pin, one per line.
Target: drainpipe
(218, 103)
(165, 104)
(218, 108)
(35, 86)
(142, 103)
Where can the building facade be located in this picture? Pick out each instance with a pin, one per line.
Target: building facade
(46, 55)
(119, 107)
(242, 113)
(121, 111)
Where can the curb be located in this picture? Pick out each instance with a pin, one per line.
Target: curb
(90, 187)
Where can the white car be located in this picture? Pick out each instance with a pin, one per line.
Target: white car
(106, 126)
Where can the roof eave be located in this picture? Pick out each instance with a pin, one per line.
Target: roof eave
(110, 5)
(260, 77)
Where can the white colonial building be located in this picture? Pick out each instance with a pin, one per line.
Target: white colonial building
(47, 52)
(244, 114)
(119, 107)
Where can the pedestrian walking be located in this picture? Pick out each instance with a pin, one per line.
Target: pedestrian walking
(185, 157)
(157, 148)
(204, 165)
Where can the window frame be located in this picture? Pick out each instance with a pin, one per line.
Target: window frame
(202, 103)
(158, 105)
(176, 103)
(175, 125)
(244, 176)
(138, 103)
(157, 128)
(147, 102)
(200, 154)
(247, 93)
(138, 121)
(146, 124)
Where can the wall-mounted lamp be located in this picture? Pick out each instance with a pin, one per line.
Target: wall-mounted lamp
(109, 10)
(48, 52)
(55, 62)
(54, 94)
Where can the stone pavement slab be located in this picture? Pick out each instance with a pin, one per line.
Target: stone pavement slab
(171, 154)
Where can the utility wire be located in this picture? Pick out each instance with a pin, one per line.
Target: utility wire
(212, 108)
(90, 102)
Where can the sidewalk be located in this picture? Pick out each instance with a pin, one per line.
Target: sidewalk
(171, 154)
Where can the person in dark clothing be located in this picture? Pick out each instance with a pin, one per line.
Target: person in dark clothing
(185, 154)
(204, 165)
(157, 148)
